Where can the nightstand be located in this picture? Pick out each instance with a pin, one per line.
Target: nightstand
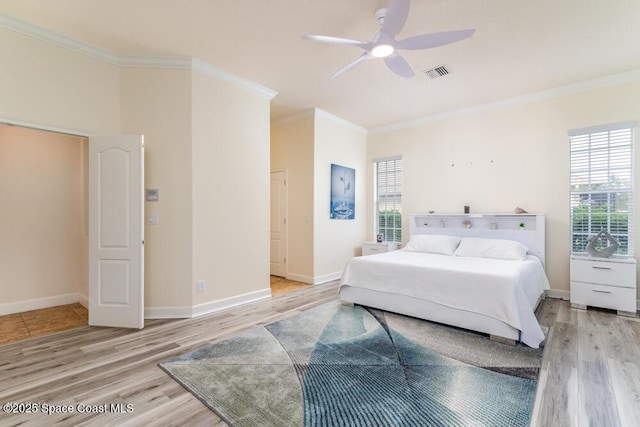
(370, 248)
(604, 282)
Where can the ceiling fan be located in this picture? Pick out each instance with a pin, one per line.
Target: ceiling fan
(384, 44)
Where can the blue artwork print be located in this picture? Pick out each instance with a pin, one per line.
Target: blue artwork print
(343, 192)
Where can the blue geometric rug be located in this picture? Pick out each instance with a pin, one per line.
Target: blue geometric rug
(335, 365)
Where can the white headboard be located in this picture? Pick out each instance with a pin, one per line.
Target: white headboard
(493, 226)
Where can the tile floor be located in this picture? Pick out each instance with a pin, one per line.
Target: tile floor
(280, 285)
(20, 326)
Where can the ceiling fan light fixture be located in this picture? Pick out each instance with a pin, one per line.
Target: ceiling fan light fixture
(384, 44)
(382, 51)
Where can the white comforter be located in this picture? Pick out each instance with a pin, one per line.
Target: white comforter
(502, 289)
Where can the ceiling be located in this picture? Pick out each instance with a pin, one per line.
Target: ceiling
(519, 47)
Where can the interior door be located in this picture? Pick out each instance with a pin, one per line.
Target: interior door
(116, 231)
(279, 223)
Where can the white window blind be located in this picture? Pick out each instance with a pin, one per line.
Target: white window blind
(388, 196)
(602, 185)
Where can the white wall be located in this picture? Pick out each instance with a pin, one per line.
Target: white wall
(306, 146)
(336, 241)
(502, 158)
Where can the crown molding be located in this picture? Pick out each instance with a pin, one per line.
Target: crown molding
(148, 61)
(73, 132)
(314, 113)
(197, 65)
(583, 86)
(145, 61)
(219, 74)
(305, 114)
(58, 40)
(339, 120)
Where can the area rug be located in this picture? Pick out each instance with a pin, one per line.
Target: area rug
(337, 365)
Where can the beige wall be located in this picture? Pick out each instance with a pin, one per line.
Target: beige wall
(499, 159)
(157, 104)
(337, 241)
(292, 149)
(56, 88)
(230, 167)
(48, 86)
(45, 84)
(43, 248)
(306, 146)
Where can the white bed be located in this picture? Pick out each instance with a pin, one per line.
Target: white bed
(453, 285)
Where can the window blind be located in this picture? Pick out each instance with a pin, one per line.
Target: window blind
(602, 186)
(388, 196)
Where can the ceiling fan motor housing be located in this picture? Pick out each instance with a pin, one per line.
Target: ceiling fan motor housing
(380, 14)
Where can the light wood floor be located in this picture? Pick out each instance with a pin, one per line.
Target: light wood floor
(590, 376)
(35, 323)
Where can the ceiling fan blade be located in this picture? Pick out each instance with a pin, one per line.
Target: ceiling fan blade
(426, 41)
(398, 65)
(352, 64)
(334, 40)
(396, 16)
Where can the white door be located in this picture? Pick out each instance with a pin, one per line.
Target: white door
(279, 223)
(116, 231)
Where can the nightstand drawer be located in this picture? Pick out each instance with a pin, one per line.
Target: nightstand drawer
(371, 248)
(603, 272)
(612, 297)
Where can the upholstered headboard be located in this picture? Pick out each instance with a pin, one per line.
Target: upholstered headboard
(493, 226)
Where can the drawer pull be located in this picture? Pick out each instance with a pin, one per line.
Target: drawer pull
(601, 292)
(601, 268)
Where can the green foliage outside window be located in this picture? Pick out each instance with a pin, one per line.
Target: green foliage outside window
(588, 220)
(390, 225)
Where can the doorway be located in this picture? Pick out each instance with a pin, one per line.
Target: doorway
(278, 247)
(43, 218)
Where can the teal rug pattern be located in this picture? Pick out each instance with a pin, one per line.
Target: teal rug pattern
(337, 365)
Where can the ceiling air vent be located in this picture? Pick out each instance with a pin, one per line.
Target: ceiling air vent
(434, 73)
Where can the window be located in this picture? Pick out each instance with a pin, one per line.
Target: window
(602, 185)
(388, 197)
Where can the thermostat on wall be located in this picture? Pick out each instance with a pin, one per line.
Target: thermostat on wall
(152, 194)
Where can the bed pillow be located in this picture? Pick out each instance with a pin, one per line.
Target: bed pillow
(434, 244)
(491, 248)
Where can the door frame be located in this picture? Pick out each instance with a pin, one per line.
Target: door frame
(286, 216)
(75, 133)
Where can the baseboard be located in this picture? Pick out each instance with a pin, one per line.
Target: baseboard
(84, 300)
(40, 303)
(168, 312)
(327, 277)
(299, 278)
(314, 280)
(205, 308)
(222, 304)
(555, 293)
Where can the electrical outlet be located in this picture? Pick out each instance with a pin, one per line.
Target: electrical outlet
(202, 286)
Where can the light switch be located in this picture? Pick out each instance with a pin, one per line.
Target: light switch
(153, 220)
(152, 194)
